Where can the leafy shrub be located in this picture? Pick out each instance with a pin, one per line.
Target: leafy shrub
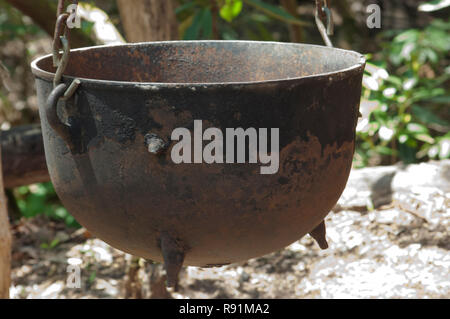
(405, 100)
(38, 199)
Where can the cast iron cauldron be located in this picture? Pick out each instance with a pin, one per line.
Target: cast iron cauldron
(140, 201)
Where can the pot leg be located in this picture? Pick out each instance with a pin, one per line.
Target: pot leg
(173, 255)
(318, 234)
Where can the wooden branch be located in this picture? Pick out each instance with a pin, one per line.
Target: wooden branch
(148, 20)
(23, 156)
(43, 13)
(295, 31)
(215, 20)
(5, 242)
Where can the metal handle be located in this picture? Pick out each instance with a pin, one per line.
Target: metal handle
(62, 129)
(323, 12)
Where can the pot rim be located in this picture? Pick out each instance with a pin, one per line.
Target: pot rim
(339, 74)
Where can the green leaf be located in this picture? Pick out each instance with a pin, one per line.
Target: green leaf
(425, 138)
(259, 17)
(231, 9)
(407, 154)
(416, 128)
(54, 243)
(207, 24)
(426, 93)
(92, 277)
(383, 150)
(201, 26)
(229, 33)
(441, 99)
(185, 7)
(193, 32)
(87, 26)
(409, 36)
(275, 12)
(395, 80)
(427, 117)
(23, 190)
(264, 34)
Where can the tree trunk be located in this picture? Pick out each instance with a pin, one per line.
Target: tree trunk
(295, 31)
(148, 20)
(5, 242)
(43, 13)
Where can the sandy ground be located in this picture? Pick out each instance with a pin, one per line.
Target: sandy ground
(388, 238)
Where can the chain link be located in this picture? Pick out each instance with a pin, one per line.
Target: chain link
(61, 41)
(61, 31)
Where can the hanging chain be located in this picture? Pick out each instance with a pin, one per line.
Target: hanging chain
(323, 13)
(61, 41)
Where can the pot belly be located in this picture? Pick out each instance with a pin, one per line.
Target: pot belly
(218, 213)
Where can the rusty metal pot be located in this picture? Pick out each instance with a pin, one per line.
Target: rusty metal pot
(97, 144)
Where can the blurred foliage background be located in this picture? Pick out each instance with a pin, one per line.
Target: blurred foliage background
(404, 107)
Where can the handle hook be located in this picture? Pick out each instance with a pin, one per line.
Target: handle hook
(323, 12)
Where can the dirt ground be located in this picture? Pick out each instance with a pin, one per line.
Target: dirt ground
(388, 238)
